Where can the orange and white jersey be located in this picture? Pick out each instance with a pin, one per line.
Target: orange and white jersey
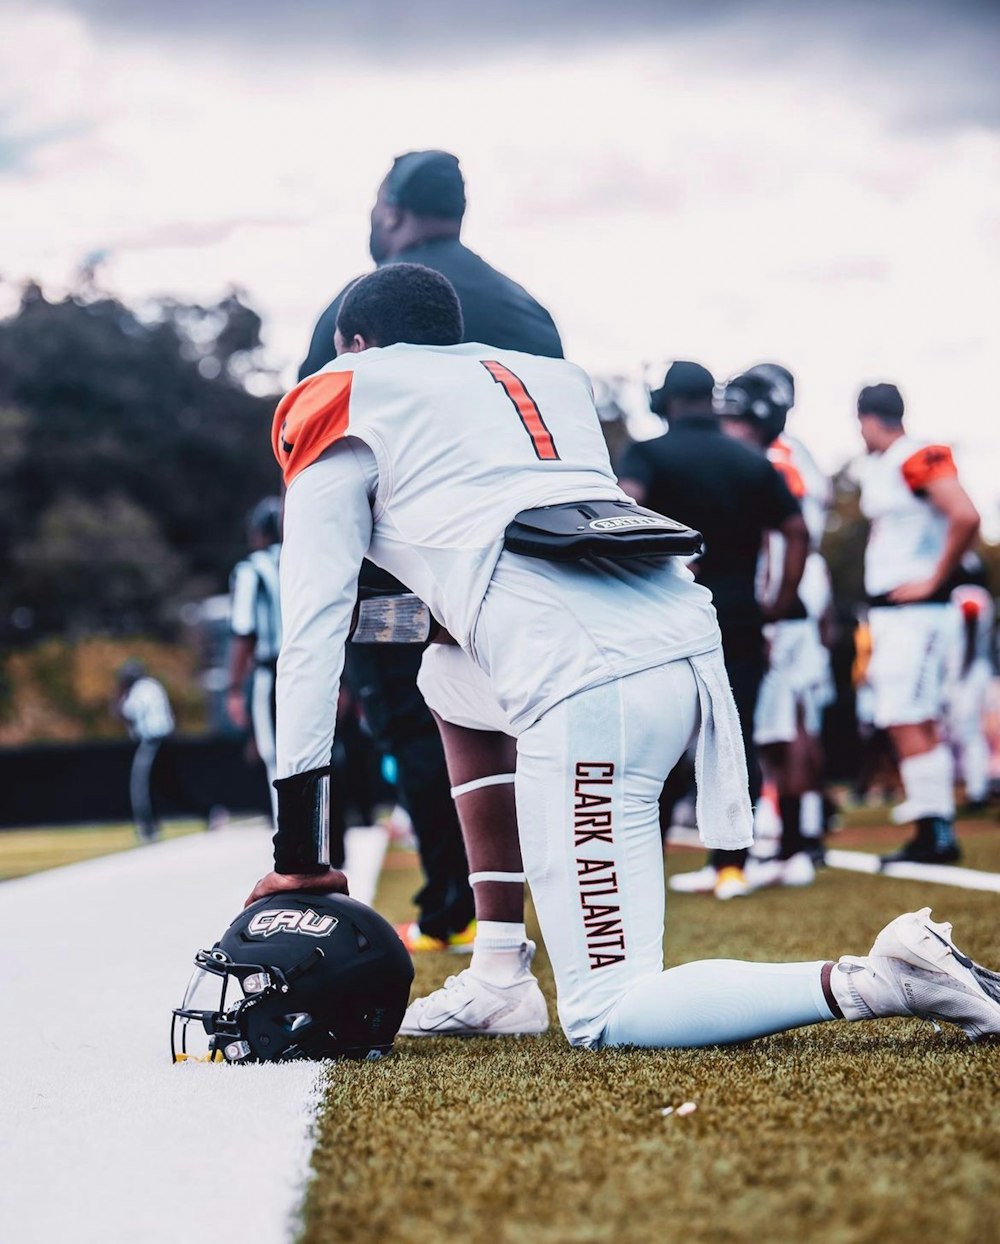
(418, 458)
(428, 414)
(811, 488)
(806, 482)
(907, 533)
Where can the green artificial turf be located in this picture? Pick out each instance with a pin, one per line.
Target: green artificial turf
(832, 1134)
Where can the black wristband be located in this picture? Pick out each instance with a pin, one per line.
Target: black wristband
(302, 840)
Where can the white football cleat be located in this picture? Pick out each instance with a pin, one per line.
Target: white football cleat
(702, 881)
(468, 1006)
(799, 870)
(914, 968)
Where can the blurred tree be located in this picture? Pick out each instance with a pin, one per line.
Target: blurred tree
(131, 447)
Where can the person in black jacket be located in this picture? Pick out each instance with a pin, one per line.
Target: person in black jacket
(417, 218)
(732, 495)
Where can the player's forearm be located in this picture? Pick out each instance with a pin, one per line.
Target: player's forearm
(796, 539)
(963, 527)
(240, 660)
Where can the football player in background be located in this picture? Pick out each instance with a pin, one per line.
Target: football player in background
(798, 684)
(970, 671)
(604, 669)
(734, 496)
(255, 623)
(922, 523)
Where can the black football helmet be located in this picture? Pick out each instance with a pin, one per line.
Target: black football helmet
(763, 395)
(295, 976)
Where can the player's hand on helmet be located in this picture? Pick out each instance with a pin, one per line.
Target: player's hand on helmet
(333, 881)
(914, 592)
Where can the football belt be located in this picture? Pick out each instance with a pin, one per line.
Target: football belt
(612, 529)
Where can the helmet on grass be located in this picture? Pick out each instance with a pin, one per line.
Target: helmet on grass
(296, 976)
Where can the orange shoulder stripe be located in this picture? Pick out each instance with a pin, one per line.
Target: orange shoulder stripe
(780, 455)
(309, 419)
(931, 463)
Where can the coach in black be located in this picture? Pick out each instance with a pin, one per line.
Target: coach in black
(732, 495)
(417, 218)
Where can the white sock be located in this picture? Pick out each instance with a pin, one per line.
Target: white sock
(928, 780)
(811, 822)
(497, 952)
(716, 1002)
(976, 765)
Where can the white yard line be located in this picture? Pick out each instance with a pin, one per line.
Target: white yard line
(101, 1138)
(863, 862)
(940, 874)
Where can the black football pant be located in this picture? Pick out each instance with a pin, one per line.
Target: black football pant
(384, 679)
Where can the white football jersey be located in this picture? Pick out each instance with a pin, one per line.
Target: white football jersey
(464, 437)
(805, 481)
(454, 441)
(811, 488)
(907, 533)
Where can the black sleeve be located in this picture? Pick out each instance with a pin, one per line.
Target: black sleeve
(776, 500)
(321, 349)
(636, 464)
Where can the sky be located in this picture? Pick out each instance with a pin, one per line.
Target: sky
(729, 182)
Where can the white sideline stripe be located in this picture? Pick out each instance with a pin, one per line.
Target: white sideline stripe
(940, 874)
(863, 862)
(101, 1139)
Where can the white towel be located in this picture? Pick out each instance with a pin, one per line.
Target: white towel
(722, 808)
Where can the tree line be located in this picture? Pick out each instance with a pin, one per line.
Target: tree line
(132, 447)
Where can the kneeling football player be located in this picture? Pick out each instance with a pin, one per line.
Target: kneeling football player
(420, 453)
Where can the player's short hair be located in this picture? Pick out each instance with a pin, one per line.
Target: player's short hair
(882, 400)
(402, 302)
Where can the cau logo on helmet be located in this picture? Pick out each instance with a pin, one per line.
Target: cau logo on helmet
(285, 920)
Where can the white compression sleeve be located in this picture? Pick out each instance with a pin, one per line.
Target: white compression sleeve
(328, 526)
(717, 1002)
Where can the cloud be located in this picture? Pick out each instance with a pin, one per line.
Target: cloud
(933, 62)
(710, 191)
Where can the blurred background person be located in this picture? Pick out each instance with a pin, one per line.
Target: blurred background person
(143, 704)
(798, 684)
(255, 625)
(970, 670)
(417, 218)
(922, 524)
(732, 495)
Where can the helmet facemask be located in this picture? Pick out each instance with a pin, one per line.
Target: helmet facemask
(241, 1012)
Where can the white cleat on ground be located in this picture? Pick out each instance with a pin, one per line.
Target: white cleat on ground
(702, 881)
(467, 1006)
(914, 968)
(724, 883)
(799, 870)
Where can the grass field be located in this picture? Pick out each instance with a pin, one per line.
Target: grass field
(24, 851)
(833, 1134)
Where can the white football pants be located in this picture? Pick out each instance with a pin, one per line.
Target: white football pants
(589, 775)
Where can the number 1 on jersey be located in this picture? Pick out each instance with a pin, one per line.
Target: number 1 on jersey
(527, 410)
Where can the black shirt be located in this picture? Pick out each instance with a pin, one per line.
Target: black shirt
(496, 310)
(727, 491)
